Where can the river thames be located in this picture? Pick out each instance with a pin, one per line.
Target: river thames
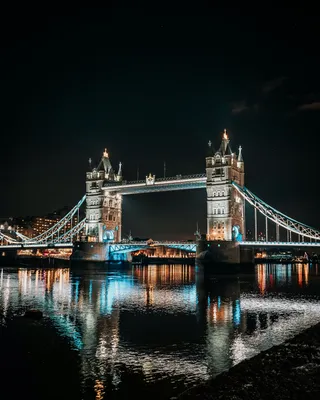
(148, 331)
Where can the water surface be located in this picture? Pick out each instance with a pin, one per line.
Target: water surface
(158, 330)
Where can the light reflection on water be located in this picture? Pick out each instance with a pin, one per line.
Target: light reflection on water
(164, 323)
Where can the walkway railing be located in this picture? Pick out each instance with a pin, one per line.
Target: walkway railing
(163, 179)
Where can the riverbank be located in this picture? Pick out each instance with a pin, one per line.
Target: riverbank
(288, 371)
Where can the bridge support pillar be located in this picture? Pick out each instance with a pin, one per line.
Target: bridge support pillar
(215, 252)
(99, 252)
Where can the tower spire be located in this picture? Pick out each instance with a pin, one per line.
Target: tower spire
(240, 158)
(120, 170)
(210, 149)
(224, 147)
(105, 162)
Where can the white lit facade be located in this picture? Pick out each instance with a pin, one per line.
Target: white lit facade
(225, 207)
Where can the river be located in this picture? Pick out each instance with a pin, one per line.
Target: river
(157, 330)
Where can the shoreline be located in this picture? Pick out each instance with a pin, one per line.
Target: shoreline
(290, 370)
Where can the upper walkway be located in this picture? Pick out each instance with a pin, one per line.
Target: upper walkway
(153, 184)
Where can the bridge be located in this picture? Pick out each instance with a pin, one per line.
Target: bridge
(98, 235)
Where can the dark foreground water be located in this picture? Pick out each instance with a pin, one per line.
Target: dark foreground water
(154, 331)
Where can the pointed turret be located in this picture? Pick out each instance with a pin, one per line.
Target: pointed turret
(120, 169)
(119, 175)
(210, 149)
(210, 154)
(240, 158)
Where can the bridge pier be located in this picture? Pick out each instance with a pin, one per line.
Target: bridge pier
(218, 252)
(99, 252)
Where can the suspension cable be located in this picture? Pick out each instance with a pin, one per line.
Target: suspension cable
(276, 216)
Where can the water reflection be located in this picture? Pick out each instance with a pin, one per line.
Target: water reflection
(274, 276)
(144, 326)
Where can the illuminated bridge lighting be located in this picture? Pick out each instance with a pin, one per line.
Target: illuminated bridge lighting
(197, 181)
(280, 244)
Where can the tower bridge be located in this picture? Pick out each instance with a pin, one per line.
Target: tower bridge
(99, 235)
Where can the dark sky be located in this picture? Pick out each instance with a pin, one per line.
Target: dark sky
(155, 86)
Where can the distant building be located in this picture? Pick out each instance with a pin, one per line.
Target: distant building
(40, 225)
(35, 226)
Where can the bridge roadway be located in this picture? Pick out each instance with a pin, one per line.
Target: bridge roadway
(178, 182)
(114, 247)
(186, 245)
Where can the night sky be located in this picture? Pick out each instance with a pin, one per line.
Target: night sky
(154, 87)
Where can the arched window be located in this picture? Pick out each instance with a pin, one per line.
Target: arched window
(219, 211)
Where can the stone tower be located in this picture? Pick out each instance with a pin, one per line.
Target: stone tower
(225, 207)
(103, 208)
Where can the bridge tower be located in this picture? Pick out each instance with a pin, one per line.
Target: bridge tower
(103, 208)
(225, 208)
